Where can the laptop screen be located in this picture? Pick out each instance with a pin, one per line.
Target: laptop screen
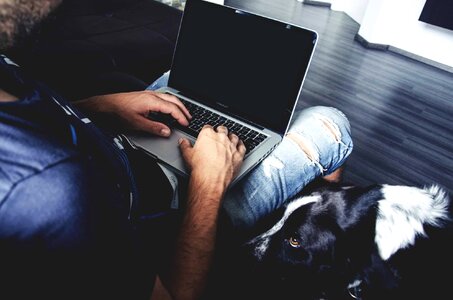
(248, 65)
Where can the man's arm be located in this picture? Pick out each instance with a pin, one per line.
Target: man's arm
(132, 109)
(213, 160)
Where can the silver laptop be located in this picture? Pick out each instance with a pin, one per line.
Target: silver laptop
(236, 69)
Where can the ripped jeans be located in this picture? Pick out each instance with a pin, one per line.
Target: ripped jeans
(318, 142)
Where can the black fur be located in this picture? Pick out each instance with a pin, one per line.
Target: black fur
(338, 248)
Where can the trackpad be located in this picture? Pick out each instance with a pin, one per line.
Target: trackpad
(165, 149)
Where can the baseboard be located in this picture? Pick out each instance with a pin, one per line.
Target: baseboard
(369, 45)
(421, 59)
(402, 52)
(316, 3)
(384, 47)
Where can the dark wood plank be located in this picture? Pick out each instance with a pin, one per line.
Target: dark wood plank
(400, 109)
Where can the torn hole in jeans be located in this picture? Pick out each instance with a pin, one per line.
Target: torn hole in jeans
(308, 148)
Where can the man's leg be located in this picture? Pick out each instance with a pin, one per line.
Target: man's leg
(317, 144)
(160, 82)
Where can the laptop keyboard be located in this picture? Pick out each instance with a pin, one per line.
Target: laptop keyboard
(202, 116)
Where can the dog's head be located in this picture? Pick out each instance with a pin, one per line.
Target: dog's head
(330, 237)
(312, 240)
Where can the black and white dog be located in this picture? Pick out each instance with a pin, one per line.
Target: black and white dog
(347, 242)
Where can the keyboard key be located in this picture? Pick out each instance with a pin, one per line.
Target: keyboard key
(201, 116)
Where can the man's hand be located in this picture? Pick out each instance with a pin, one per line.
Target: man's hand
(214, 160)
(215, 157)
(133, 108)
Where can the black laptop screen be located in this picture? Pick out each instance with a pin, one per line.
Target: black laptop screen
(249, 65)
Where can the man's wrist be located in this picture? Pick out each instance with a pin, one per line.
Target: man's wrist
(211, 186)
(93, 104)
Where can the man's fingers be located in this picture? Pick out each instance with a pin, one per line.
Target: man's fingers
(234, 139)
(185, 146)
(177, 102)
(241, 148)
(222, 129)
(167, 107)
(175, 111)
(153, 127)
(206, 127)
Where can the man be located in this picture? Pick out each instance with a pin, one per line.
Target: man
(68, 197)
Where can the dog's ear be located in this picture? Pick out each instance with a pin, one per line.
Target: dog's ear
(335, 246)
(334, 270)
(340, 246)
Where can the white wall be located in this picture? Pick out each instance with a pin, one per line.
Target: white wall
(354, 8)
(395, 23)
(217, 1)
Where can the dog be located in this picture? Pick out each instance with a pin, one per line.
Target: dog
(350, 242)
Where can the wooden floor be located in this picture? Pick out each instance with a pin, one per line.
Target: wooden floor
(401, 110)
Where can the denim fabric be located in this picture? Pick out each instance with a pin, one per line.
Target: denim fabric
(326, 134)
(288, 168)
(63, 206)
(162, 81)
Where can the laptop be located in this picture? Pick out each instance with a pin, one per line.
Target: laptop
(237, 69)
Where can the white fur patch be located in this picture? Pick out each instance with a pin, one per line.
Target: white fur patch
(9, 61)
(402, 214)
(261, 242)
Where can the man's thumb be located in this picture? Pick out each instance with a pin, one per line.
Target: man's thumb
(184, 145)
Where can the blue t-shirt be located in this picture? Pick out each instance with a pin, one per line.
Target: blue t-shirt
(65, 229)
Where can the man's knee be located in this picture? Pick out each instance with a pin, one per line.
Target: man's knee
(324, 136)
(334, 119)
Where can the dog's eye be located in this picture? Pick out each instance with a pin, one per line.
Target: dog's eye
(294, 242)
